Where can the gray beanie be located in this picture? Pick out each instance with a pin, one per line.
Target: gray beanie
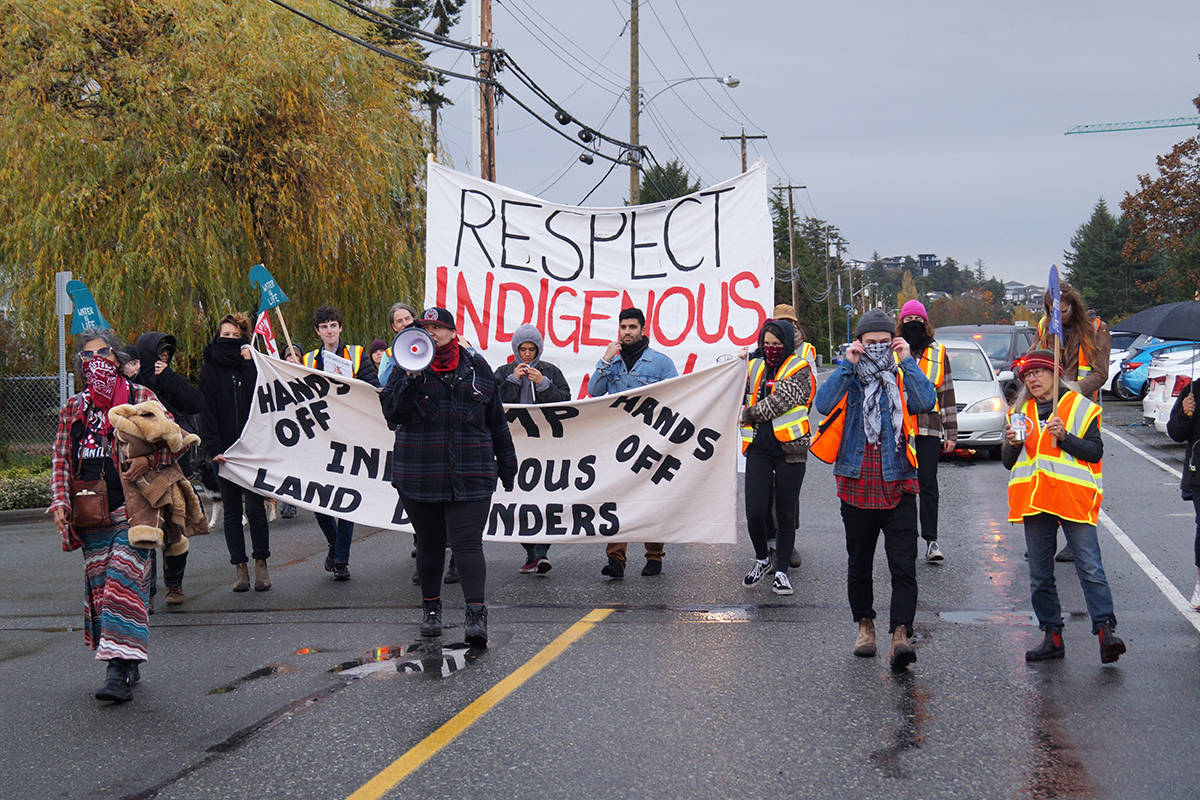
(526, 333)
(875, 320)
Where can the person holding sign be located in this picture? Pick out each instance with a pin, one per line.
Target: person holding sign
(452, 442)
(1055, 453)
(869, 432)
(629, 363)
(349, 361)
(775, 435)
(527, 380)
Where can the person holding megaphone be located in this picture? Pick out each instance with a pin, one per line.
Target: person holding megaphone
(452, 443)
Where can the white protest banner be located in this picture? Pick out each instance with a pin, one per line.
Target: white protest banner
(653, 464)
(700, 267)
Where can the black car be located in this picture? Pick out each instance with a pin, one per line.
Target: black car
(1004, 344)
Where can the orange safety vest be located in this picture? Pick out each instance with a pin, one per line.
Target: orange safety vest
(350, 352)
(933, 364)
(1045, 479)
(828, 438)
(792, 424)
(1085, 363)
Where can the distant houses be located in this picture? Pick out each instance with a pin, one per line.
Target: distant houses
(1027, 295)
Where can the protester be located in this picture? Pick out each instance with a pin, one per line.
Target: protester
(528, 379)
(182, 400)
(378, 350)
(89, 512)
(868, 434)
(130, 363)
(630, 363)
(293, 354)
(775, 436)
(327, 322)
(937, 430)
(400, 316)
(227, 384)
(1184, 426)
(1085, 344)
(452, 442)
(1055, 457)
(806, 351)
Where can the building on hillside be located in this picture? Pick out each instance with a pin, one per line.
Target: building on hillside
(1024, 294)
(927, 262)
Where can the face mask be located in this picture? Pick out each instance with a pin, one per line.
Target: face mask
(101, 377)
(228, 351)
(914, 333)
(773, 353)
(877, 359)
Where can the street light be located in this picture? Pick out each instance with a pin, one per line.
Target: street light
(728, 80)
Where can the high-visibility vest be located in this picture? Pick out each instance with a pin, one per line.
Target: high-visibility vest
(828, 438)
(792, 424)
(1046, 479)
(809, 354)
(933, 364)
(351, 352)
(1085, 363)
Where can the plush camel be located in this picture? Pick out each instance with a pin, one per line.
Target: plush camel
(162, 506)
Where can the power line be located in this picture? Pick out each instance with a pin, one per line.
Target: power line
(579, 48)
(547, 41)
(688, 67)
(597, 186)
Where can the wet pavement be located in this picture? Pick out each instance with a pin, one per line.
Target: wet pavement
(692, 687)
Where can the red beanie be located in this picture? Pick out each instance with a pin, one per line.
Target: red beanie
(1035, 359)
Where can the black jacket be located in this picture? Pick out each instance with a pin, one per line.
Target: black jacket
(1183, 428)
(227, 391)
(553, 390)
(175, 392)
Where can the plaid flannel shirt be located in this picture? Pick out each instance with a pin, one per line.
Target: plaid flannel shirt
(870, 490)
(942, 423)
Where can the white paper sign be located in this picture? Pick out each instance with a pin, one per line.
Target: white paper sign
(336, 365)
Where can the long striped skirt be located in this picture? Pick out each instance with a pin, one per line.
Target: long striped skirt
(116, 590)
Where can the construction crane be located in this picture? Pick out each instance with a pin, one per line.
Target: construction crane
(1106, 127)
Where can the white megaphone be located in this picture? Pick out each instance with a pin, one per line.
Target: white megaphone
(412, 349)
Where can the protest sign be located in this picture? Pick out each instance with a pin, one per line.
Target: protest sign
(699, 266)
(263, 328)
(336, 365)
(86, 314)
(656, 463)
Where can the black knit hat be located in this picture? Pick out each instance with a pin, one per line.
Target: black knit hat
(437, 316)
(875, 320)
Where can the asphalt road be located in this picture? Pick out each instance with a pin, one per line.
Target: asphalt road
(691, 686)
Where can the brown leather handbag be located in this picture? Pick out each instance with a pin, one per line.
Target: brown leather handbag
(89, 502)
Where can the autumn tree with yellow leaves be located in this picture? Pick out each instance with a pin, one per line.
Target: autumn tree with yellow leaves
(159, 148)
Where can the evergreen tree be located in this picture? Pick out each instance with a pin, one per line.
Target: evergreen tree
(668, 181)
(1095, 265)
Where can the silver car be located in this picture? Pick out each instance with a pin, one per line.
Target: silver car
(979, 398)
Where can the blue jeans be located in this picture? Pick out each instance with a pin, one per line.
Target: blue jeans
(535, 551)
(338, 533)
(1041, 535)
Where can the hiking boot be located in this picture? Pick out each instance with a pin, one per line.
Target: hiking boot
(431, 622)
(613, 569)
(118, 683)
(242, 582)
(1065, 554)
(475, 629)
(864, 643)
(933, 553)
(175, 595)
(1051, 647)
(1111, 645)
(287, 511)
(452, 572)
(544, 565)
(653, 567)
(329, 560)
(781, 585)
(341, 572)
(529, 567)
(262, 578)
(902, 652)
(756, 573)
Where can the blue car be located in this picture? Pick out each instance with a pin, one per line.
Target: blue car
(1134, 368)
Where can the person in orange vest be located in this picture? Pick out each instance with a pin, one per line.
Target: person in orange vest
(775, 435)
(937, 430)
(806, 351)
(869, 435)
(327, 321)
(1055, 454)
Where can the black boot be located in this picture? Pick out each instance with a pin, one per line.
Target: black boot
(476, 627)
(431, 623)
(1051, 647)
(451, 571)
(118, 682)
(1111, 645)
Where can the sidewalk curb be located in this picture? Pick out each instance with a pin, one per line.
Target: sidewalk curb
(23, 515)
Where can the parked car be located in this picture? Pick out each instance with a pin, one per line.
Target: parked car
(1164, 383)
(1122, 339)
(1003, 344)
(1134, 368)
(1121, 342)
(979, 397)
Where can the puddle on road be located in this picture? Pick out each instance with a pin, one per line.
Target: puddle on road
(908, 733)
(1054, 771)
(276, 668)
(428, 658)
(718, 613)
(989, 617)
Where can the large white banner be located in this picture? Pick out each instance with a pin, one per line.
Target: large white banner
(653, 464)
(700, 267)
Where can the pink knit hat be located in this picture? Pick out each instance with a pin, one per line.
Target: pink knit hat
(914, 307)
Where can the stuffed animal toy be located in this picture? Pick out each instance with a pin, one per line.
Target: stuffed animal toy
(162, 506)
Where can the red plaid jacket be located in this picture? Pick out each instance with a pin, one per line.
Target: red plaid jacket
(870, 490)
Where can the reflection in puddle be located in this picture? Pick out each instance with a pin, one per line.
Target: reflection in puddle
(262, 672)
(719, 613)
(440, 661)
(907, 735)
(989, 617)
(373, 660)
(429, 658)
(1055, 772)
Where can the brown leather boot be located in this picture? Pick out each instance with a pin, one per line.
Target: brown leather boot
(262, 578)
(902, 652)
(864, 645)
(242, 583)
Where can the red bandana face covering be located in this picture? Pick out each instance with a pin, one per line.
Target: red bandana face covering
(773, 354)
(445, 358)
(101, 376)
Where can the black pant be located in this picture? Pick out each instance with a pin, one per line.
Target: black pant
(770, 476)
(1196, 504)
(173, 568)
(232, 498)
(929, 448)
(460, 525)
(899, 528)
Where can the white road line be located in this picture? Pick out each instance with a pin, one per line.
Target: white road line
(1173, 595)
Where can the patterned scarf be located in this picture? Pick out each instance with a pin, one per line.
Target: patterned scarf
(445, 358)
(105, 389)
(876, 370)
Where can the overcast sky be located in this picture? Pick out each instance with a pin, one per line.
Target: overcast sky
(918, 127)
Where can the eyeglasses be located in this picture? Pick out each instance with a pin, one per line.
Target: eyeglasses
(88, 355)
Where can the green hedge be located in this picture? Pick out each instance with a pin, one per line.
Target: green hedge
(23, 488)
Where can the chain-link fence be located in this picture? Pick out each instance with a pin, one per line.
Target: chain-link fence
(29, 409)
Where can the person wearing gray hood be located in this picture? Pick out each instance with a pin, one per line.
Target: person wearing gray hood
(526, 380)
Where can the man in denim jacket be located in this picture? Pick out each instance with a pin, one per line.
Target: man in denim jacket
(629, 363)
(875, 480)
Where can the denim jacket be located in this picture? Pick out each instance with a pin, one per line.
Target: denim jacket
(919, 395)
(613, 378)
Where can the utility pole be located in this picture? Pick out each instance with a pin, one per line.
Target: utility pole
(828, 293)
(635, 108)
(744, 139)
(487, 98)
(792, 244)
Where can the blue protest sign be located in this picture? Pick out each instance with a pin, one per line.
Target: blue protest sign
(1055, 327)
(86, 314)
(270, 293)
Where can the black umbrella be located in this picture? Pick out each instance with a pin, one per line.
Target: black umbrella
(1168, 321)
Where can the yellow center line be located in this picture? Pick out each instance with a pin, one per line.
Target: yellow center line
(406, 764)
